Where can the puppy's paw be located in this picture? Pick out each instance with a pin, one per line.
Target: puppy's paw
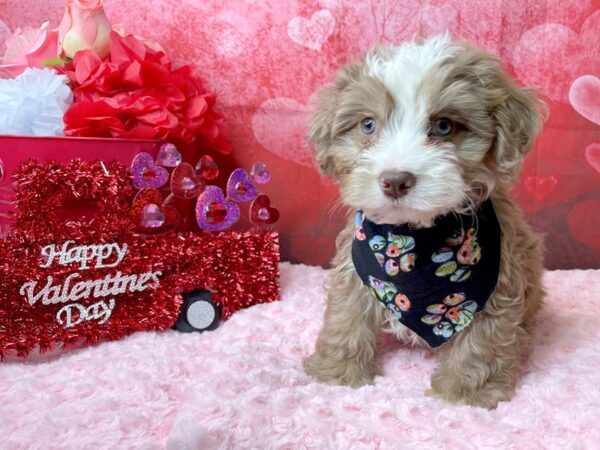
(344, 373)
(487, 396)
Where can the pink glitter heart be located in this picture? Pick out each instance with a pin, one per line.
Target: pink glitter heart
(239, 188)
(168, 156)
(213, 212)
(146, 174)
(152, 216)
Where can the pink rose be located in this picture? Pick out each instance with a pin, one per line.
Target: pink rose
(84, 26)
(28, 47)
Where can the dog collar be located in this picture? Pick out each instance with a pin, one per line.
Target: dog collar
(435, 279)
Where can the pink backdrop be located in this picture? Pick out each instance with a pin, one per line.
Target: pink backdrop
(265, 59)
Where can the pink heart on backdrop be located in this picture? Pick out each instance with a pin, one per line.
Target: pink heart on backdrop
(540, 187)
(592, 156)
(584, 96)
(539, 55)
(279, 125)
(312, 33)
(583, 222)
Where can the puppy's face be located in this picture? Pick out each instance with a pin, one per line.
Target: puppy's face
(420, 130)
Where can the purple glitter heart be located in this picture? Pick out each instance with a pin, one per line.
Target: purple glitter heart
(259, 173)
(213, 212)
(146, 174)
(240, 188)
(168, 156)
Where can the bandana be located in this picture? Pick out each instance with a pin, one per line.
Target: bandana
(433, 280)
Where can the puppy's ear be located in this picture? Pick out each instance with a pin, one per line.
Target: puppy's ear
(518, 118)
(320, 124)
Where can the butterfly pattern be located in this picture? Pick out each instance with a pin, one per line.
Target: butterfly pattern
(393, 253)
(387, 293)
(462, 250)
(454, 314)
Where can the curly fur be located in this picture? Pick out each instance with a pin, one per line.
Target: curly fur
(404, 89)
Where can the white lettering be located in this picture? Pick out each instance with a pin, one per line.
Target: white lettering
(98, 311)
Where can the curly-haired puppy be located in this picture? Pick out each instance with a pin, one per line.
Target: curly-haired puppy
(424, 141)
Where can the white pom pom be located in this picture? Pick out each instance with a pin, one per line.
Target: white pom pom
(34, 103)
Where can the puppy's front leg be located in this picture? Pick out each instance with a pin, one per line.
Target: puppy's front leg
(346, 350)
(479, 365)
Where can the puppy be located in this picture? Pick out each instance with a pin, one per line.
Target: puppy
(424, 141)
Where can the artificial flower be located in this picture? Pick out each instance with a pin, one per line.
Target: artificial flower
(136, 93)
(84, 26)
(153, 45)
(34, 103)
(28, 47)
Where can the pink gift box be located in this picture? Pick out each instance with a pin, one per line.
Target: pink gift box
(15, 149)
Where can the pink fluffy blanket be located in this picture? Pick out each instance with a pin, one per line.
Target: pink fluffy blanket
(242, 386)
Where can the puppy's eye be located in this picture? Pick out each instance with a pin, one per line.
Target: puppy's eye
(368, 125)
(442, 127)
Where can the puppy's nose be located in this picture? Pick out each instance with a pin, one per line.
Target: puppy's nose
(396, 184)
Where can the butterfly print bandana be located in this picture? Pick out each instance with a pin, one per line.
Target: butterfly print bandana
(435, 279)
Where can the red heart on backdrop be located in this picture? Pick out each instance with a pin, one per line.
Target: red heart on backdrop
(584, 96)
(261, 211)
(592, 156)
(583, 223)
(185, 182)
(150, 215)
(540, 187)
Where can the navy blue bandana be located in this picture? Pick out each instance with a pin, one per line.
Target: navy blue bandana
(434, 279)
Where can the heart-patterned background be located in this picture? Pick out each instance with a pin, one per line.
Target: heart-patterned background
(265, 58)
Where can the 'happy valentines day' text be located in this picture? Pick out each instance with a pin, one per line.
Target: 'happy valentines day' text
(87, 257)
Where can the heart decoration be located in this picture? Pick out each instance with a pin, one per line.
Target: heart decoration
(259, 173)
(262, 212)
(584, 96)
(147, 174)
(213, 212)
(151, 215)
(207, 168)
(314, 32)
(240, 188)
(168, 156)
(592, 156)
(185, 182)
(540, 187)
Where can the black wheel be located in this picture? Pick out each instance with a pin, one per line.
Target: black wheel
(198, 313)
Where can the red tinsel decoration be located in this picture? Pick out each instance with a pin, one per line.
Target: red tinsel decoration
(240, 268)
(136, 93)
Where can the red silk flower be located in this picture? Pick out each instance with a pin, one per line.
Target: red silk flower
(136, 93)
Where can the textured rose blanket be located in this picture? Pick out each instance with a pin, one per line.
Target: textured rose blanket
(242, 386)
